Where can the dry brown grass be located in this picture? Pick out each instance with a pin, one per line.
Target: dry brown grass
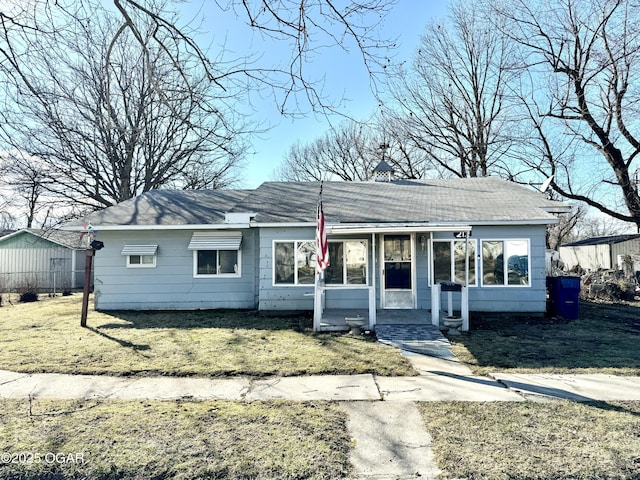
(46, 336)
(177, 440)
(604, 339)
(535, 441)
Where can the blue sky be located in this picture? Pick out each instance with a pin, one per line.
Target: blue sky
(344, 75)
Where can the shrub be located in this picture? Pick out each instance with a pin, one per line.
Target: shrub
(28, 291)
(28, 297)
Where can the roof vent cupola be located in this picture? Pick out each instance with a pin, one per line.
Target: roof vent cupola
(383, 172)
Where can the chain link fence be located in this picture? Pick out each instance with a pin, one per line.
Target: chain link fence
(46, 281)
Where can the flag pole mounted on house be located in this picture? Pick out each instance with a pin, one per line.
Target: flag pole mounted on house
(322, 262)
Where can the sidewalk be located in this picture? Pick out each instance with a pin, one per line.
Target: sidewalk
(388, 435)
(440, 380)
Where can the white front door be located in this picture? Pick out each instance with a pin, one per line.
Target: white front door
(397, 271)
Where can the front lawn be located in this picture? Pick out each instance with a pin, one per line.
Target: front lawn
(46, 336)
(605, 339)
(535, 441)
(179, 440)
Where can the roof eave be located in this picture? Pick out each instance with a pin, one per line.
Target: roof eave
(535, 221)
(184, 226)
(337, 229)
(48, 239)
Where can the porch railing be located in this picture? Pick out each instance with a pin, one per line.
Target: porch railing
(436, 305)
(319, 302)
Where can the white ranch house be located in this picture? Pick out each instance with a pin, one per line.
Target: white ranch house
(391, 245)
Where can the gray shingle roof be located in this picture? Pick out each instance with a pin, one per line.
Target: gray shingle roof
(485, 199)
(168, 207)
(468, 200)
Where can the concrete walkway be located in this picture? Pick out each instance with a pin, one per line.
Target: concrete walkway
(389, 441)
(432, 386)
(425, 339)
(389, 438)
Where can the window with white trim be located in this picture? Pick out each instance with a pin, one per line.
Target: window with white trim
(216, 263)
(449, 261)
(140, 256)
(348, 263)
(506, 262)
(294, 262)
(216, 254)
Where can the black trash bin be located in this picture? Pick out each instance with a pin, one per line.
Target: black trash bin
(564, 296)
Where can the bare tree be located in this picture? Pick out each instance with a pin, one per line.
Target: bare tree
(113, 119)
(598, 225)
(69, 78)
(343, 153)
(351, 151)
(452, 98)
(6, 216)
(308, 27)
(567, 228)
(579, 90)
(27, 179)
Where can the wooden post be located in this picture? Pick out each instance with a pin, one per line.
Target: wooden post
(87, 285)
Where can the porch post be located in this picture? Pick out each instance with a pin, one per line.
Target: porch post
(435, 288)
(464, 306)
(372, 308)
(318, 304)
(435, 304)
(373, 318)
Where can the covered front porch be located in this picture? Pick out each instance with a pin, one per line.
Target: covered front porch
(398, 285)
(333, 319)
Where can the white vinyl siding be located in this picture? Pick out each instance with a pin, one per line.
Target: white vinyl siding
(172, 284)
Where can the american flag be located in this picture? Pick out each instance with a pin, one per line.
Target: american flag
(322, 248)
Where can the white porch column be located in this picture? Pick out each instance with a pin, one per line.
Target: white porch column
(464, 301)
(435, 304)
(373, 314)
(318, 301)
(464, 308)
(372, 308)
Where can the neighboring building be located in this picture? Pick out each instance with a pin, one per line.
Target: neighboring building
(601, 252)
(47, 260)
(389, 244)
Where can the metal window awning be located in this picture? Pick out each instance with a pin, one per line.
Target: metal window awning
(139, 250)
(215, 241)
